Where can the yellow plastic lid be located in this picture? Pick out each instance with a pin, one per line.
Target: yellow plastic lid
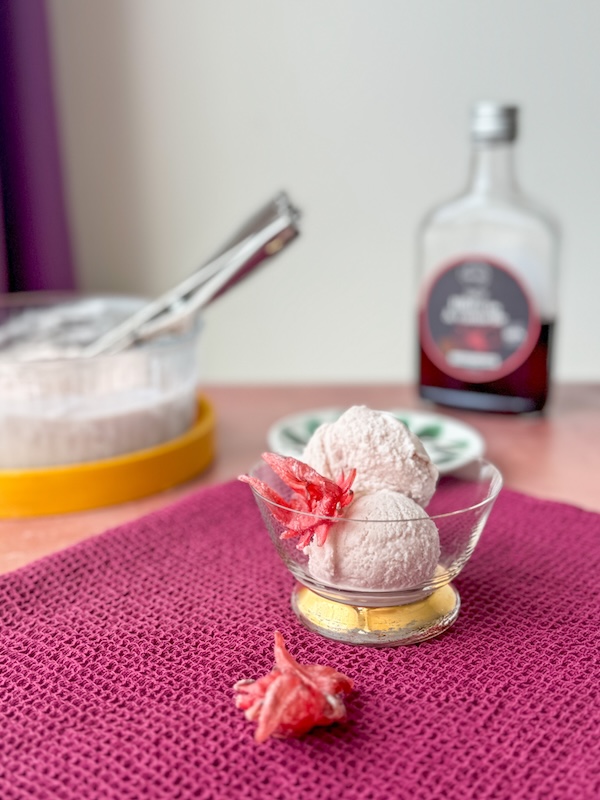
(78, 487)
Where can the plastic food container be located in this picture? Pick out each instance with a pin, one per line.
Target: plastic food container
(58, 409)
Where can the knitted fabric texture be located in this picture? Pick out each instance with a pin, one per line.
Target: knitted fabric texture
(118, 657)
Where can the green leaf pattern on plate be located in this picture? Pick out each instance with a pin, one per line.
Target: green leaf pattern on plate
(447, 443)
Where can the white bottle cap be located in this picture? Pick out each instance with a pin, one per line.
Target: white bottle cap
(494, 122)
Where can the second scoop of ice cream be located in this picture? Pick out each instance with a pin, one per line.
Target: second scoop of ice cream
(388, 545)
(385, 454)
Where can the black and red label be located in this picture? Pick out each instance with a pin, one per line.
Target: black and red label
(478, 322)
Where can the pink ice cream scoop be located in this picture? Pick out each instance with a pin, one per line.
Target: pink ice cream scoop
(389, 544)
(385, 454)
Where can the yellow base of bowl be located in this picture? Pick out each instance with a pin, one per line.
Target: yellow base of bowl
(378, 627)
(79, 487)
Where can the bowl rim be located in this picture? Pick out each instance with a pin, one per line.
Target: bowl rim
(44, 299)
(496, 484)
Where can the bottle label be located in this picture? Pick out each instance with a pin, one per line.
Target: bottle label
(478, 322)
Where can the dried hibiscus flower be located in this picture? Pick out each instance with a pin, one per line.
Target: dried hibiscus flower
(292, 698)
(314, 495)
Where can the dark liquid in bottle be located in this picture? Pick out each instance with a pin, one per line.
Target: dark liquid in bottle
(524, 390)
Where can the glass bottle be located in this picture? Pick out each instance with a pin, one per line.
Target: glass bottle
(488, 260)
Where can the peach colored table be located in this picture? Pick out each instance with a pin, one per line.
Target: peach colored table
(555, 456)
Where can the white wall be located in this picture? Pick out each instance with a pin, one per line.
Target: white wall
(180, 117)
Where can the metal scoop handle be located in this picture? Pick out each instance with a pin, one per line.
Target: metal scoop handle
(262, 236)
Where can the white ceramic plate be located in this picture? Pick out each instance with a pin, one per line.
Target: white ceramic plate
(449, 442)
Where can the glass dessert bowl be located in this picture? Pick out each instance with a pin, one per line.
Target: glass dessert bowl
(380, 579)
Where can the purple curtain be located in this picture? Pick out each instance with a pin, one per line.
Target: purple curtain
(35, 252)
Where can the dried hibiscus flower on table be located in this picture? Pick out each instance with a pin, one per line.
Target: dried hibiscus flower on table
(293, 697)
(314, 495)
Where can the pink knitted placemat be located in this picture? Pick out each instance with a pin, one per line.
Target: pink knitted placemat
(117, 659)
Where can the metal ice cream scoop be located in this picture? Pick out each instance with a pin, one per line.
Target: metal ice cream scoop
(267, 232)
